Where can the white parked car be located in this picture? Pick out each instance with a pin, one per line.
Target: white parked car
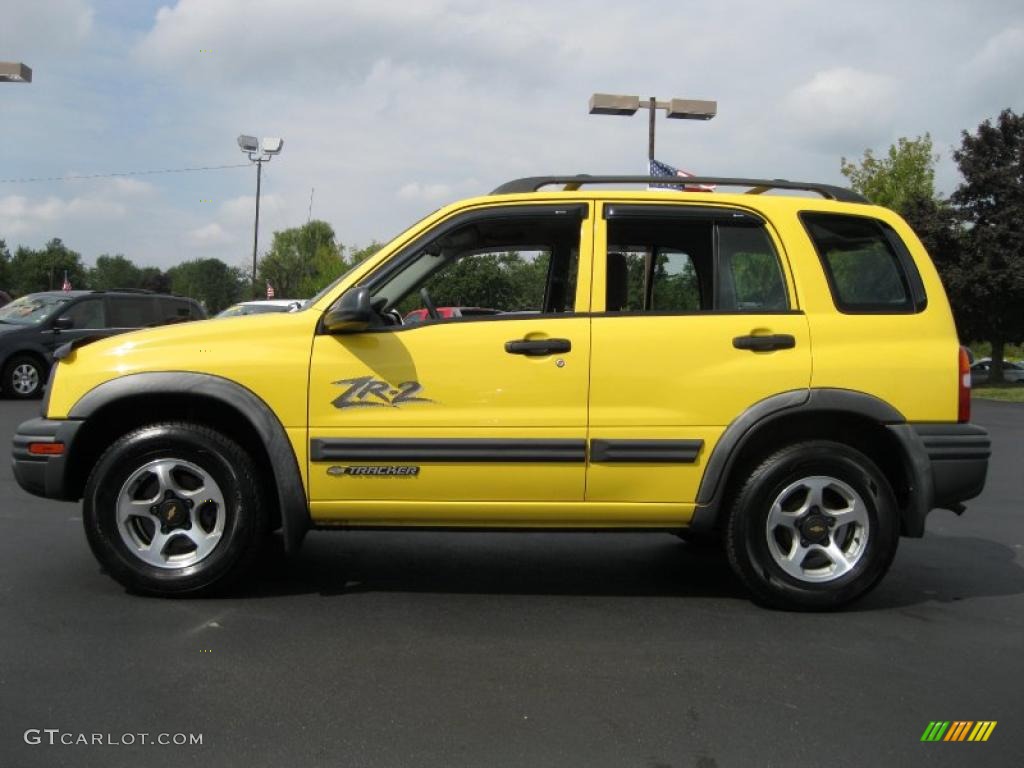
(261, 307)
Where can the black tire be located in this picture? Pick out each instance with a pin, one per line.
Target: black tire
(750, 552)
(243, 519)
(24, 371)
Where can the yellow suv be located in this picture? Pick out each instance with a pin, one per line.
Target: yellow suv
(777, 367)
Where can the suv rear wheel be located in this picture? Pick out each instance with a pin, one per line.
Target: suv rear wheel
(814, 527)
(174, 509)
(24, 377)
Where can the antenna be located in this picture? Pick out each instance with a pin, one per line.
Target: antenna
(310, 214)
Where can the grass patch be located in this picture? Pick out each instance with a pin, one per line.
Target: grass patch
(1013, 393)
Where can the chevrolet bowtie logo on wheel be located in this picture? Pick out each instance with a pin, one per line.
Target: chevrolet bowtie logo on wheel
(958, 730)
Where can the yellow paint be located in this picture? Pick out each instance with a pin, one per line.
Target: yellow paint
(639, 377)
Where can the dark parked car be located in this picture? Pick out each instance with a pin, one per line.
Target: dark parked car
(32, 327)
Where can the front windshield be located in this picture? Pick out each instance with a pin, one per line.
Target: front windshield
(31, 310)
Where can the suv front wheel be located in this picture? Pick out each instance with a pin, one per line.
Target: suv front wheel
(814, 527)
(173, 509)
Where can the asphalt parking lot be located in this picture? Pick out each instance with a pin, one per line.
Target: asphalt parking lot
(427, 649)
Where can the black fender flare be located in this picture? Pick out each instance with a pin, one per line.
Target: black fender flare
(295, 520)
(29, 348)
(761, 415)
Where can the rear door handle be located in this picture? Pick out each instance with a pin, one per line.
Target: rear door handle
(537, 347)
(764, 343)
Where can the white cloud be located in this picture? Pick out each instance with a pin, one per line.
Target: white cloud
(243, 208)
(428, 192)
(389, 109)
(843, 109)
(31, 29)
(19, 215)
(210, 234)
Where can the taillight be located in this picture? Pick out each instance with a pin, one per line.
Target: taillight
(964, 401)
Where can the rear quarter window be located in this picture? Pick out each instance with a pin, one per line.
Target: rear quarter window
(177, 310)
(132, 312)
(868, 267)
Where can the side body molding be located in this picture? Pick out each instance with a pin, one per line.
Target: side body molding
(290, 492)
(760, 416)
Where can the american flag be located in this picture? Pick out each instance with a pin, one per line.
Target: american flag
(663, 169)
(270, 290)
(67, 283)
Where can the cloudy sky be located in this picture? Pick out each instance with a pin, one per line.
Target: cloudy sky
(390, 109)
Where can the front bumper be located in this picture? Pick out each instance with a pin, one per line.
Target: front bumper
(44, 475)
(947, 464)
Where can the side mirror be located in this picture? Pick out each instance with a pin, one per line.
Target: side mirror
(353, 313)
(63, 323)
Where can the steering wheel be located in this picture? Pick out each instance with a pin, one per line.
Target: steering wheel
(429, 304)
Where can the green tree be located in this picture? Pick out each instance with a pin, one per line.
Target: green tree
(5, 268)
(114, 272)
(904, 180)
(990, 273)
(154, 279)
(357, 255)
(42, 270)
(905, 175)
(211, 281)
(302, 260)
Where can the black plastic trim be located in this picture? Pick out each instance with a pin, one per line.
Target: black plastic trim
(959, 455)
(948, 442)
(760, 416)
(676, 211)
(295, 520)
(44, 476)
(757, 186)
(645, 451)
(448, 450)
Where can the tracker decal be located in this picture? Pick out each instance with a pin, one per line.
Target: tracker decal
(374, 471)
(368, 392)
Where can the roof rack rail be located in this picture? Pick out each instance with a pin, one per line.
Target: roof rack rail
(124, 290)
(756, 186)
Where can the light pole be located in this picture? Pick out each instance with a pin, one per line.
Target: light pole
(15, 72)
(260, 151)
(680, 109)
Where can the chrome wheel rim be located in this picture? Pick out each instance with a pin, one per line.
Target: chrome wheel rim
(817, 529)
(25, 379)
(170, 513)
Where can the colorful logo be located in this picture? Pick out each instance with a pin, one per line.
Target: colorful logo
(958, 730)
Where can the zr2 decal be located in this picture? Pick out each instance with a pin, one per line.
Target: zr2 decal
(368, 392)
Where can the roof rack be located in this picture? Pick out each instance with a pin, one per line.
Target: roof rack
(756, 186)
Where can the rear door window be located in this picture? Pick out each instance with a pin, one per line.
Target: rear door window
(686, 260)
(176, 310)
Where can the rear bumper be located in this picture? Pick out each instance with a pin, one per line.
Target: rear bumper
(947, 464)
(44, 475)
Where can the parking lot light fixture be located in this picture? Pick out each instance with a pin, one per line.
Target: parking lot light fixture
(259, 151)
(680, 109)
(15, 72)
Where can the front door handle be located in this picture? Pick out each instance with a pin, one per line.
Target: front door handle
(764, 343)
(537, 347)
